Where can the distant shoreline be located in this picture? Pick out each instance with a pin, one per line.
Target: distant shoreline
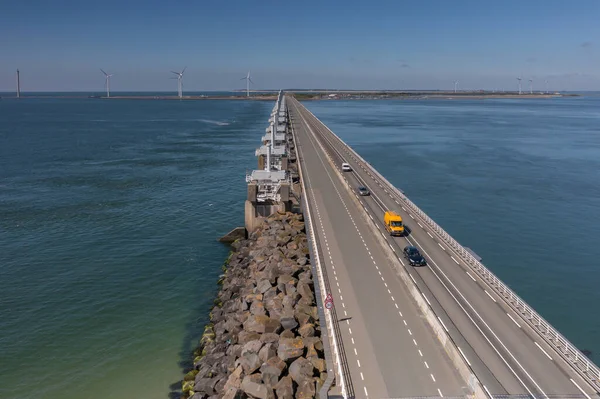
(316, 96)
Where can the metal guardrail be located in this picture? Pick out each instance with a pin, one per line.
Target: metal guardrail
(321, 289)
(573, 356)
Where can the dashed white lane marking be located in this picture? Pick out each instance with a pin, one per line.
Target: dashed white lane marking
(455, 261)
(420, 353)
(472, 278)
(429, 234)
(352, 338)
(404, 209)
(440, 392)
(488, 294)
(463, 355)
(542, 349)
(366, 393)
(405, 322)
(415, 342)
(432, 377)
(358, 361)
(514, 321)
(420, 225)
(397, 202)
(350, 330)
(411, 216)
(409, 332)
(362, 377)
(441, 246)
(355, 352)
(426, 365)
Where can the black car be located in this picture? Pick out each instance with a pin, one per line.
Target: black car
(363, 190)
(414, 257)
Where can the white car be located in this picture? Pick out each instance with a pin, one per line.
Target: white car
(346, 167)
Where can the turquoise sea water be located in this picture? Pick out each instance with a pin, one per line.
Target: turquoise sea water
(110, 211)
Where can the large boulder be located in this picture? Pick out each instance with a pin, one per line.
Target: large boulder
(268, 351)
(290, 348)
(285, 388)
(206, 385)
(246, 336)
(305, 290)
(306, 389)
(252, 346)
(269, 337)
(301, 369)
(255, 389)
(307, 330)
(288, 322)
(271, 370)
(250, 362)
(235, 379)
(262, 324)
(257, 308)
(263, 286)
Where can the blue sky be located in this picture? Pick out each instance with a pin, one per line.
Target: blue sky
(395, 44)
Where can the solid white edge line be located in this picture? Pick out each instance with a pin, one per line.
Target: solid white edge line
(463, 355)
(488, 392)
(514, 321)
(426, 299)
(542, 349)
(412, 278)
(455, 261)
(578, 387)
(488, 294)
(443, 325)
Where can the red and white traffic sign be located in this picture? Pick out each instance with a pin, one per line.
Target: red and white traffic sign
(329, 305)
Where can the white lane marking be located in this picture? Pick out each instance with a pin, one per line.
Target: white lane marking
(393, 300)
(350, 330)
(405, 322)
(420, 225)
(352, 338)
(443, 325)
(413, 279)
(403, 208)
(440, 392)
(370, 216)
(366, 393)
(393, 249)
(426, 365)
(400, 313)
(578, 387)
(420, 353)
(396, 305)
(488, 392)
(415, 342)
(341, 298)
(355, 352)
(361, 376)
(472, 278)
(358, 361)
(397, 203)
(389, 292)
(441, 246)
(409, 332)
(490, 296)
(432, 377)
(411, 216)
(514, 321)
(542, 349)
(463, 355)
(426, 299)
(455, 261)
(429, 234)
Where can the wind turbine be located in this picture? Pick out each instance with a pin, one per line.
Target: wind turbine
(248, 81)
(455, 85)
(530, 86)
(179, 82)
(546, 81)
(107, 82)
(519, 79)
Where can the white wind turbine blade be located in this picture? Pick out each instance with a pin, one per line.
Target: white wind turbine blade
(183, 70)
(105, 74)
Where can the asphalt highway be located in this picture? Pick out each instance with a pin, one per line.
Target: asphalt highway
(507, 356)
(390, 349)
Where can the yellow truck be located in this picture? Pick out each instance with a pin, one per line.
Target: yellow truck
(393, 223)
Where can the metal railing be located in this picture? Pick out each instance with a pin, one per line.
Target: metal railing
(573, 356)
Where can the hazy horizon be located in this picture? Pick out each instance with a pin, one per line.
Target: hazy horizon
(384, 45)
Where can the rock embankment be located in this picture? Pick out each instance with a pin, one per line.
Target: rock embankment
(264, 337)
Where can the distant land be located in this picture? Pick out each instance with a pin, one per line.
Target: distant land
(301, 94)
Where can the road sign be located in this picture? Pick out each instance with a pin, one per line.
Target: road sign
(328, 298)
(329, 305)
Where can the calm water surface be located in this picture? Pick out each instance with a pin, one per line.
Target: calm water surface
(110, 210)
